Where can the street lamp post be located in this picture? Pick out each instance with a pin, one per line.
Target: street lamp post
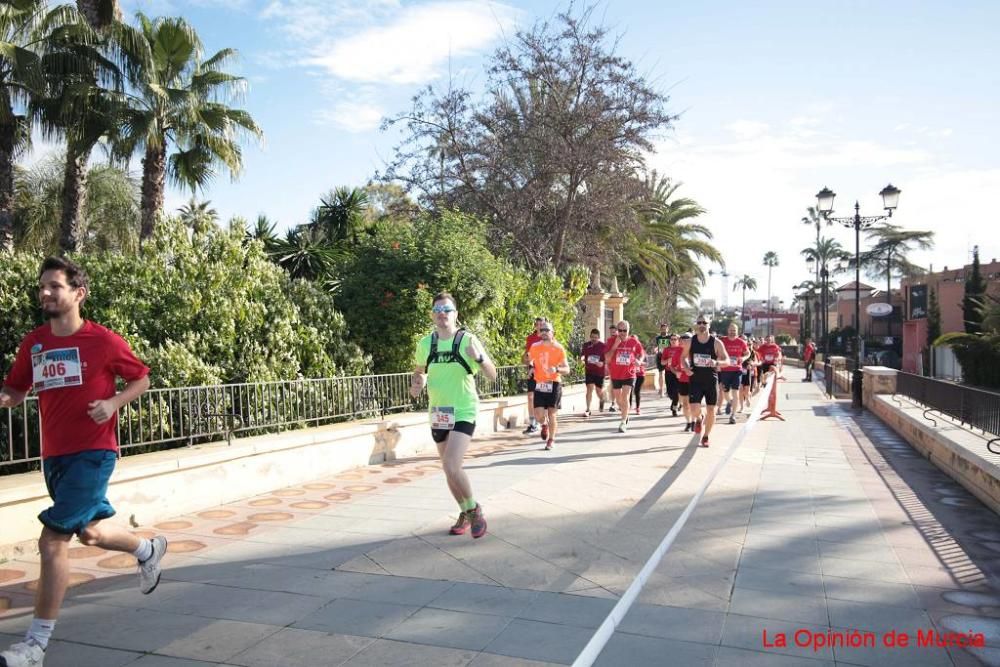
(890, 200)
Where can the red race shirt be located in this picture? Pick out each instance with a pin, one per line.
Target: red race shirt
(531, 340)
(67, 373)
(622, 362)
(809, 352)
(769, 353)
(672, 360)
(593, 352)
(735, 348)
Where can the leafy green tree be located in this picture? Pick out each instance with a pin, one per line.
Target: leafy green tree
(548, 156)
(341, 215)
(973, 301)
(933, 317)
(888, 255)
(199, 309)
(180, 104)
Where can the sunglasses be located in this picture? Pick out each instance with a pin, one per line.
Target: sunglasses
(442, 309)
(623, 330)
(544, 330)
(701, 322)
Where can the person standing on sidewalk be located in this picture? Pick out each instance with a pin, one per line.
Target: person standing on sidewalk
(446, 361)
(72, 365)
(809, 357)
(548, 358)
(592, 355)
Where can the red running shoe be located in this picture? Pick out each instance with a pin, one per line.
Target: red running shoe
(545, 431)
(704, 441)
(461, 525)
(478, 521)
(549, 443)
(697, 426)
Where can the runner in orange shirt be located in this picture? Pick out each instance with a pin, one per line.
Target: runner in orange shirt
(548, 359)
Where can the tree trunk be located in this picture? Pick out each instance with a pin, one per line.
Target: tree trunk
(7, 133)
(100, 14)
(74, 194)
(154, 171)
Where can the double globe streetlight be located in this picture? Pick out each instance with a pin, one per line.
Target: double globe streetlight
(824, 204)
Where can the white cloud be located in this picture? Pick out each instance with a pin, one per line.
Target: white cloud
(353, 116)
(310, 20)
(757, 188)
(415, 46)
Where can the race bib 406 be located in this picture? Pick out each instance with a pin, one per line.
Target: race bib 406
(52, 369)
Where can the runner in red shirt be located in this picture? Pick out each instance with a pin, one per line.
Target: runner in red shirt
(809, 357)
(72, 365)
(731, 374)
(623, 351)
(640, 378)
(671, 360)
(770, 356)
(530, 340)
(592, 356)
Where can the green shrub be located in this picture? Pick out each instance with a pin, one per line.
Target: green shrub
(203, 309)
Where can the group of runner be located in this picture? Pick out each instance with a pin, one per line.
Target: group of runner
(691, 368)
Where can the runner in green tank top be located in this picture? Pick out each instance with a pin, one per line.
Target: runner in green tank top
(448, 371)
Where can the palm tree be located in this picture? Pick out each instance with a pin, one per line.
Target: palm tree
(827, 253)
(85, 71)
(25, 26)
(815, 219)
(111, 215)
(177, 103)
(770, 261)
(744, 283)
(340, 216)
(893, 241)
(669, 249)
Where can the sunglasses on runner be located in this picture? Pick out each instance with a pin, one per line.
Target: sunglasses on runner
(442, 309)
(543, 330)
(700, 322)
(623, 329)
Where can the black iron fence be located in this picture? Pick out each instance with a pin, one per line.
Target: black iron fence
(975, 408)
(183, 416)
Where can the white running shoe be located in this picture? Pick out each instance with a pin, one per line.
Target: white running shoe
(149, 569)
(23, 654)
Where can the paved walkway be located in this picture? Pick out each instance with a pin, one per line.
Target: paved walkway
(818, 524)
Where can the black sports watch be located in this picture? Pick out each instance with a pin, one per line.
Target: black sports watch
(480, 359)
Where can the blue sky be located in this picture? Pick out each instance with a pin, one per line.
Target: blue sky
(777, 100)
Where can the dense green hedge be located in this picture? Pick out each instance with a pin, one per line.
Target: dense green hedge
(392, 274)
(201, 308)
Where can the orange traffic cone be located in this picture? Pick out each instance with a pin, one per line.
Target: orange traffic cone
(772, 402)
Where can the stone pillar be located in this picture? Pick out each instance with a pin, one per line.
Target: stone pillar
(593, 314)
(878, 380)
(617, 303)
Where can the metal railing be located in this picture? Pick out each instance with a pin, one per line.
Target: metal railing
(184, 416)
(975, 408)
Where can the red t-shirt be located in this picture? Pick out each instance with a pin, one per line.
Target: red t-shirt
(622, 362)
(672, 360)
(592, 349)
(735, 348)
(531, 340)
(809, 352)
(769, 353)
(67, 374)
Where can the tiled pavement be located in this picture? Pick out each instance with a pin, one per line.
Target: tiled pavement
(821, 523)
